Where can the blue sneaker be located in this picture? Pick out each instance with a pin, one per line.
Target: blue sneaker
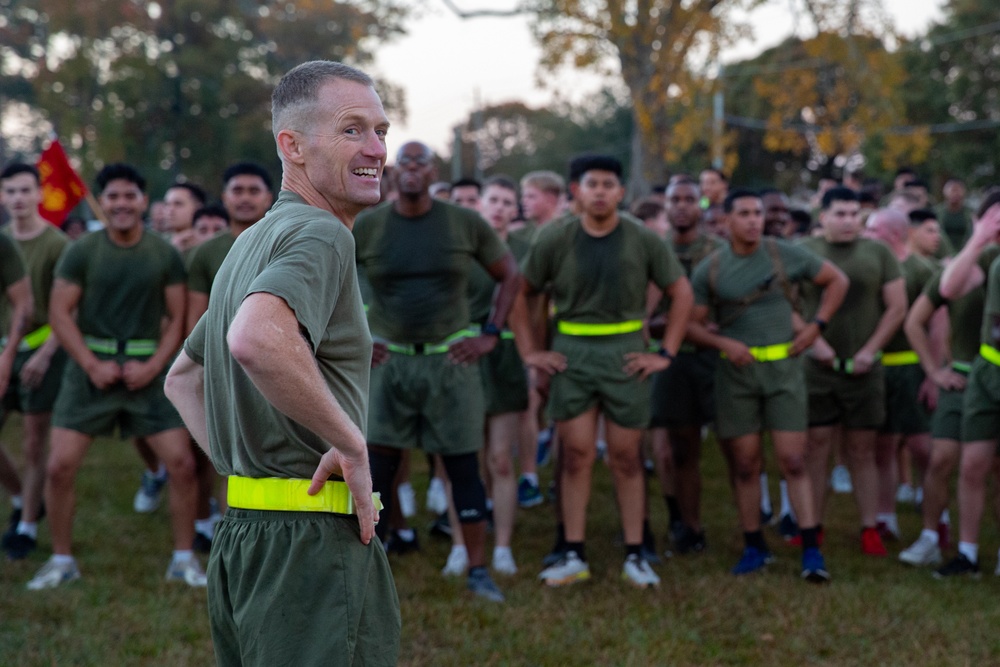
(528, 493)
(753, 559)
(814, 567)
(544, 446)
(481, 585)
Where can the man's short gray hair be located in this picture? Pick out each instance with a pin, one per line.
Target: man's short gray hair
(299, 88)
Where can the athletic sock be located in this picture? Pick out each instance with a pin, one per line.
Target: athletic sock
(17, 502)
(578, 548)
(755, 539)
(205, 526)
(786, 501)
(406, 534)
(890, 521)
(765, 496)
(633, 550)
(161, 472)
(810, 538)
(60, 559)
(929, 535)
(531, 477)
(945, 517)
(29, 529)
(496, 551)
(477, 570)
(673, 508)
(647, 532)
(182, 555)
(970, 550)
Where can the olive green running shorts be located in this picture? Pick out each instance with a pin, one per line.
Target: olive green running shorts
(84, 408)
(426, 402)
(904, 413)
(684, 394)
(299, 588)
(34, 400)
(981, 407)
(760, 396)
(853, 401)
(595, 375)
(946, 422)
(504, 378)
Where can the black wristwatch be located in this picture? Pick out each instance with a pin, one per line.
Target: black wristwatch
(490, 329)
(665, 353)
(820, 323)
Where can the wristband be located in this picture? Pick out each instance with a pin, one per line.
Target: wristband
(490, 329)
(665, 353)
(820, 323)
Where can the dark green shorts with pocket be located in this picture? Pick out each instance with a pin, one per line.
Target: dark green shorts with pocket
(504, 378)
(684, 394)
(768, 395)
(853, 401)
(981, 406)
(34, 400)
(904, 413)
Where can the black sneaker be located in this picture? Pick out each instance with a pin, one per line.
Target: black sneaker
(8, 535)
(19, 546)
(440, 527)
(395, 544)
(958, 566)
(202, 543)
(690, 542)
(787, 527)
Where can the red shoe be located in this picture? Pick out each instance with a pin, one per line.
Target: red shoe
(797, 540)
(944, 532)
(871, 543)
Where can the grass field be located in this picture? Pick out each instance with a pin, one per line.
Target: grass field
(875, 612)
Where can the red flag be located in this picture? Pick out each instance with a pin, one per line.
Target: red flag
(62, 187)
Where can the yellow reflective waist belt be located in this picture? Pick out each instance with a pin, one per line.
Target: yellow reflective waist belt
(33, 340)
(768, 352)
(602, 329)
(962, 366)
(139, 347)
(847, 365)
(990, 354)
(904, 358)
(281, 494)
(415, 349)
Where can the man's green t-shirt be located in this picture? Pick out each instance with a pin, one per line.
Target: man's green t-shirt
(305, 256)
(482, 286)
(869, 265)
(206, 260)
(917, 271)
(956, 226)
(691, 254)
(599, 279)
(12, 269)
(123, 288)
(418, 269)
(766, 320)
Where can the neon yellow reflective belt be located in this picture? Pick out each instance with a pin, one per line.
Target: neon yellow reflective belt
(847, 365)
(31, 341)
(139, 347)
(280, 494)
(768, 352)
(904, 358)
(962, 366)
(990, 354)
(415, 349)
(603, 329)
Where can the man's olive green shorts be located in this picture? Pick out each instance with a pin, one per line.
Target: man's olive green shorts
(853, 401)
(946, 422)
(504, 378)
(904, 413)
(595, 375)
(34, 400)
(426, 402)
(768, 395)
(684, 394)
(84, 408)
(981, 407)
(299, 588)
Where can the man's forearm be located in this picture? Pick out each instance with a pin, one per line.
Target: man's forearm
(503, 299)
(681, 305)
(185, 387)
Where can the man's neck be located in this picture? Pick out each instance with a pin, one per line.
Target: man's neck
(743, 248)
(413, 206)
(300, 185)
(600, 226)
(29, 227)
(125, 238)
(686, 236)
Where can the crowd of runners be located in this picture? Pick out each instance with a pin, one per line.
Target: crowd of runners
(854, 338)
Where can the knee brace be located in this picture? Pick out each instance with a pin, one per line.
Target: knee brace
(466, 487)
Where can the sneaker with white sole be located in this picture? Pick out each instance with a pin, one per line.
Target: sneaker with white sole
(437, 498)
(54, 574)
(457, 564)
(503, 561)
(187, 570)
(925, 551)
(637, 572)
(569, 570)
(150, 494)
(840, 480)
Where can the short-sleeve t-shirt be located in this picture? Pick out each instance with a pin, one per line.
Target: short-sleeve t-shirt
(418, 269)
(601, 279)
(482, 286)
(917, 271)
(12, 269)
(869, 265)
(956, 226)
(766, 320)
(123, 287)
(305, 256)
(206, 260)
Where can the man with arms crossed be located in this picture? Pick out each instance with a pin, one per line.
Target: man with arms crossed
(273, 381)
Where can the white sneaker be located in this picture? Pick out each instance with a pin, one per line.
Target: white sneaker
(637, 572)
(840, 480)
(54, 574)
(503, 561)
(905, 494)
(925, 551)
(437, 499)
(150, 494)
(407, 499)
(569, 570)
(458, 562)
(187, 570)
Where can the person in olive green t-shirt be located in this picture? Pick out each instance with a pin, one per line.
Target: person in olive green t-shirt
(981, 403)
(38, 366)
(15, 289)
(956, 223)
(416, 253)
(845, 378)
(599, 266)
(745, 290)
(273, 383)
(117, 308)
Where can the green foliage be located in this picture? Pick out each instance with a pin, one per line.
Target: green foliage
(180, 88)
